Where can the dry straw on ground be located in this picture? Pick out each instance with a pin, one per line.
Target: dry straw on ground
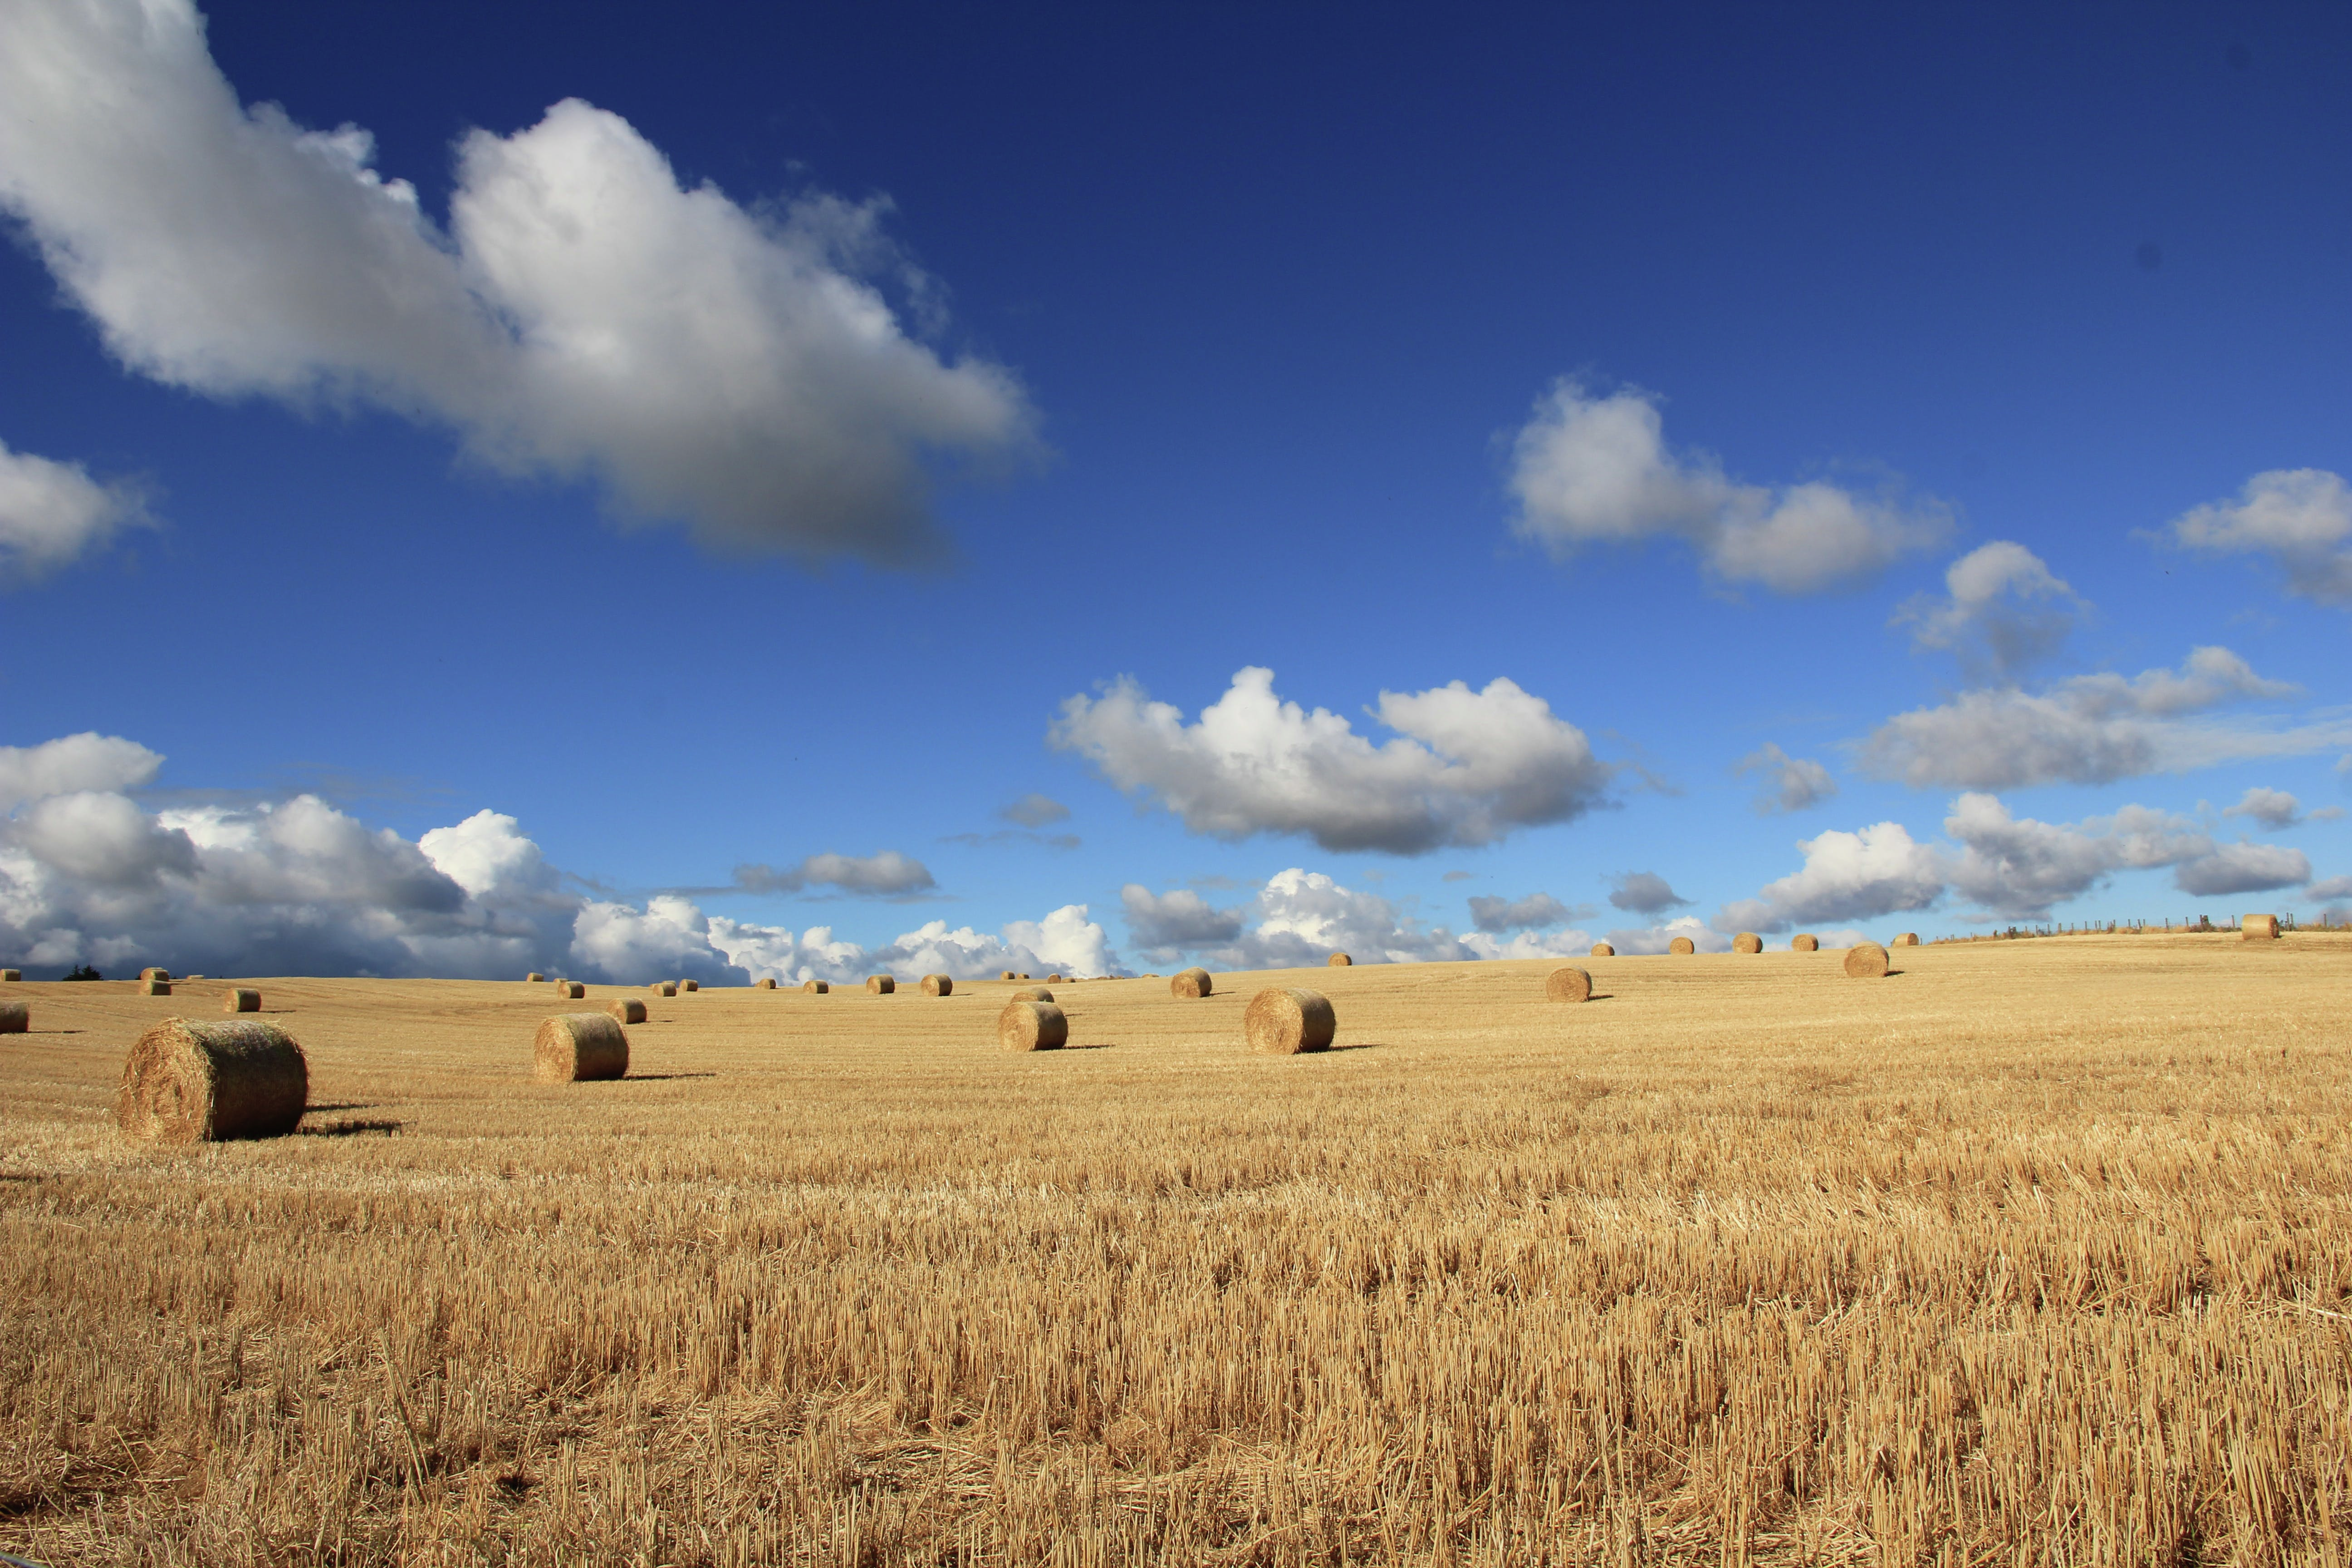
(240, 999)
(1681, 947)
(938, 985)
(185, 1082)
(628, 1010)
(1285, 1020)
(815, 987)
(1026, 1026)
(1192, 983)
(1805, 942)
(2258, 928)
(1748, 941)
(575, 1048)
(2036, 1254)
(1340, 961)
(881, 984)
(16, 1017)
(1866, 961)
(1603, 950)
(1568, 984)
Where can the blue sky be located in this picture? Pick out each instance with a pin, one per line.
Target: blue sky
(756, 429)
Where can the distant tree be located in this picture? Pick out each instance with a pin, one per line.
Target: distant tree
(84, 972)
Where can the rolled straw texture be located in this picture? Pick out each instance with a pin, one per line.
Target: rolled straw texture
(1806, 942)
(1866, 961)
(1748, 941)
(1026, 1026)
(1568, 985)
(571, 991)
(155, 988)
(1033, 993)
(628, 1010)
(1682, 946)
(154, 975)
(16, 1017)
(1908, 939)
(689, 986)
(1603, 950)
(534, 978)
(815, 987)
(240, 999)
(12, 974)
(1338, 961)
(1192, 983)
(573, 1048)
(764, 983)
(881, 984)
(2258, 928)
(186, 1082)
(938, 985)
(1285, 1020)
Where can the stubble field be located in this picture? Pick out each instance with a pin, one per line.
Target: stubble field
(2034, 1252)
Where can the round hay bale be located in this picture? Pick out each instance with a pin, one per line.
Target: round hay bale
(1338, 961)
(1865, 962)
(815, 987)
(1008, 975)
(155, 988)
(1805, 942)
(764, 983)
(1027, 1025)
(628, 1010)
(1286, 1020)
(12, 974)
(689, 986)
(938, 985)
(187, 1082)
(880, 985)
(2258, 928)
(1748, 941)
(1033, 993)
(1194, 982)
(1053, 980)
(1568, 985)
(154, 975)
(663, 988)
(240, 999)
(1681, 947)
(1603, 950)
(574, 1047)
(1908, 939)
(571, 991)
(534, 978)
(16, 1017)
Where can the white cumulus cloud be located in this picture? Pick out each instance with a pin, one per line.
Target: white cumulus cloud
(583, 314)
(1593, 469)
(2003, 610)
(2243, 867)
(1846, 877)
(89, 761)
(2301, 519)
(2274, 808)
(1789, 783)
(1466, 768)
(53, 513)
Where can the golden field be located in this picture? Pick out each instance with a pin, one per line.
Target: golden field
(2033, 1252)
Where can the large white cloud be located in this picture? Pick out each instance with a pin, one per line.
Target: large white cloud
(2300, 518)
(1299, 917)
(2017, 867)
(2092, 729)
(86, 761)
(2003, 610)
(1065, 941)
(52, 513)
(581, 315)
(1592, 469)
(1846, 877)
(1466, 768)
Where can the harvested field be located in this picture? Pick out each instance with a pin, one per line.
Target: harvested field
(2029, 1252)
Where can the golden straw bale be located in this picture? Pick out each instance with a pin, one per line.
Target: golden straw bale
(1805, 942)
(1338, 961)
(573, 1048)
(1603, 950)
(1748, 941)
(1285, 1020)
(938, 985)
(1866, 961)
(154, 975)
(1027, 1025)
(663, 988)
(534, 978)
(155, 988)
(16, 1017)
(1682, 946)
(2258, 928)
(881, 984)
(571, 991)
(1908, 939)
(1568, 985)
(1008, 975)
(689, 986)
(240, 999)
(764, 983)
(1033, 993)
(815, 987)
(12, 974)
(628, 1010)
(1053, 980)
(186, 1082)
(1194, 982)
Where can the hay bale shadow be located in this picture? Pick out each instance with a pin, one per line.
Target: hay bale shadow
(660, 1077)
(355, 1128)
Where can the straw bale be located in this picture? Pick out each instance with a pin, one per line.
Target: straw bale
(571, 991)
(154, 975)
(1027, 1025)
(1908, 939)
(1748, 941)
(16, 1017)
(240, 999)
(155, 988)
(689, 986)
(1285, 1020)
(1008, 975)
(186, 1082)
(574, 1047)
(2258, 928)
(1193, 982)
(764, 983)
(1805, 942)
(938, 985)
(1033, 993)
(1866, 961)
(1603, 950)
(534, 978)
(881, 984)
(1053, 980)
(1338, 961)
(663, 988)
(815, 987)
(1682, 946)
(12, 974)
(628, 1010)
(1568, 985)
